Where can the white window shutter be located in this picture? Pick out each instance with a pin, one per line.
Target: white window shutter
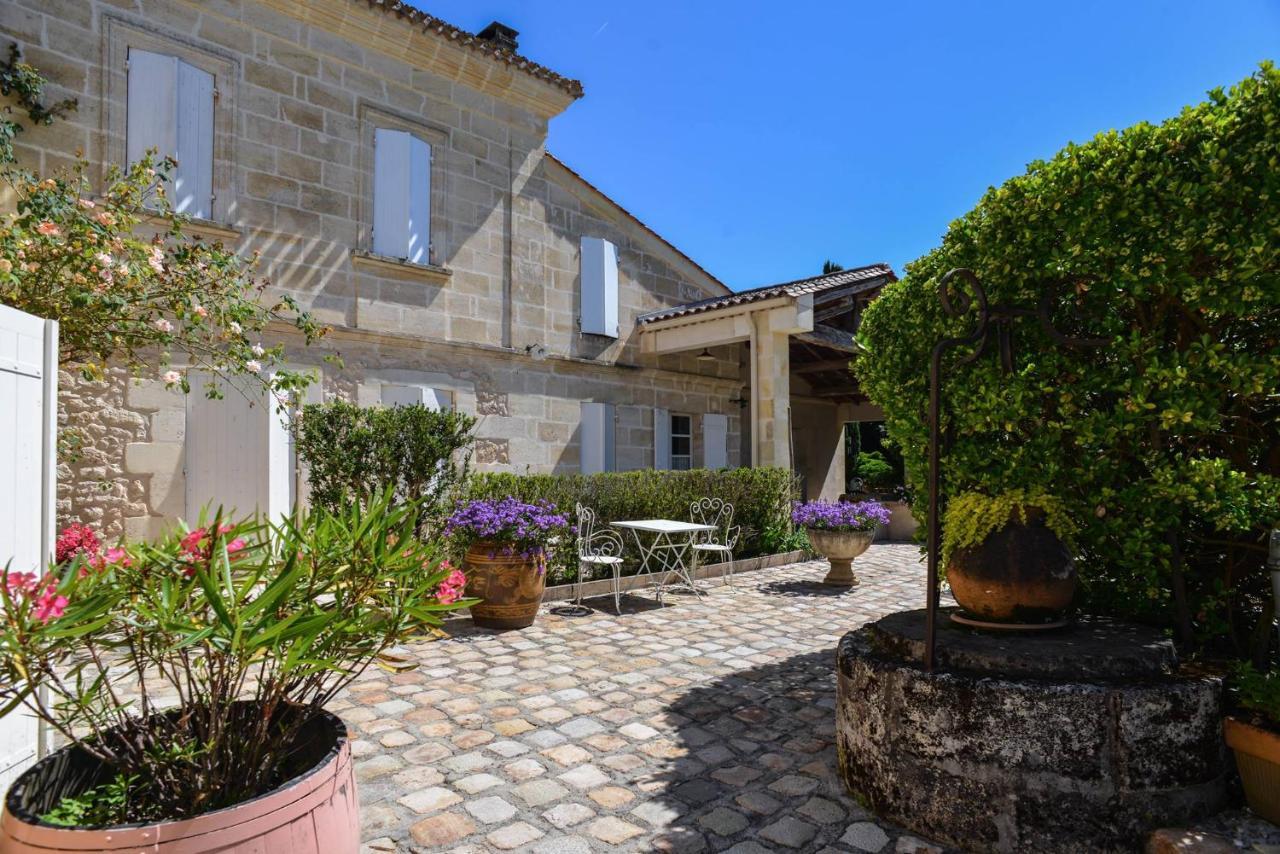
(192, 191)
(661, 439)
(402, 395)
(715, 441)
(599, 276)
(391, 179)
(438, 398)
(152, 105)
(419, 228)
(597, 443)
(237, 452)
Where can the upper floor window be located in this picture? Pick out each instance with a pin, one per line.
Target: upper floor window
(170, 109)
(402, 196)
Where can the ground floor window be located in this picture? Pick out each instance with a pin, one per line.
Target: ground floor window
(682, 442)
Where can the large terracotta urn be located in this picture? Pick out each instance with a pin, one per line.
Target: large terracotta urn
(1022, 573)
(316, 812)
(840, 548)
(508, 584)
(1258, 760)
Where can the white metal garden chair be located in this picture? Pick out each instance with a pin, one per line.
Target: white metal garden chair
(720, 542)
(597, 547)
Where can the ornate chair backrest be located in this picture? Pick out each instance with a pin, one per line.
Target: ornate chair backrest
(713, 511)
(593, 540)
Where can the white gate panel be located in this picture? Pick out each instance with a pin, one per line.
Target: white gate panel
(28, 420)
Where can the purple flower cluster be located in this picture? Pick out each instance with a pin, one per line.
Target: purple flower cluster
(840, 516)
(513, 523)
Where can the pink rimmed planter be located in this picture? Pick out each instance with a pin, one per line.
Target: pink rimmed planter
(317, 812)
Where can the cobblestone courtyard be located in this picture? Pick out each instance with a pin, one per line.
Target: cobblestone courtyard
(702, 726)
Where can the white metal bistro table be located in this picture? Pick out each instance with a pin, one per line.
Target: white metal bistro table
(667, 549)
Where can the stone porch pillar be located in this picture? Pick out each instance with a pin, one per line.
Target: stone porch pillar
(770, 391)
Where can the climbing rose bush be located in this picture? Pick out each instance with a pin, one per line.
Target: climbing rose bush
(840, 515)
(1164, 444)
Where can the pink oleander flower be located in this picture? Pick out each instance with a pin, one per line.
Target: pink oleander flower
(20, 583)
(116, 556)
(172, 377)
(76, 539)
(50, 605)
(48, 229)
(451, 588)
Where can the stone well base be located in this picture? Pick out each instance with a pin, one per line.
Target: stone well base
(1080, 740)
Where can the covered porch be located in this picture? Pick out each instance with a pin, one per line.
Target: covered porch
(794, 341)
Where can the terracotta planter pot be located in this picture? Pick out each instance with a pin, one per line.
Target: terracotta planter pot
(316, 812)
(1022, 573)
(1258, 760)
(840, 548)
(510, 586)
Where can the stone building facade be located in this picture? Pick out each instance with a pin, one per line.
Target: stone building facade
(489, 321)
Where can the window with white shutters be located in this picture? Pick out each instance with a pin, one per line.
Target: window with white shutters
(410, 395)
(170, 109)
(599, 278)
(661, 438)
(681, 442)
(401, 196)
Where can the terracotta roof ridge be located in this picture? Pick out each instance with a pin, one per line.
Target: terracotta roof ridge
(566, 167)
(415, 16)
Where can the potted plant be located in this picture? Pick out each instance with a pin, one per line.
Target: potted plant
(506, 543)
(1008, 557)
(1254, 734)
(840, 532)
(189, 678)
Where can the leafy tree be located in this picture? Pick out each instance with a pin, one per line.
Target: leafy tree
(830, 266)
(120, 295)
(1164, 445)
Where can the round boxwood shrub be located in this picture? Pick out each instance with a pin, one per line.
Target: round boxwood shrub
(1163, 445)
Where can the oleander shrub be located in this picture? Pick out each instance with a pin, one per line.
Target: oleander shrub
(351, 452)
(761, 498)
(1163, 445)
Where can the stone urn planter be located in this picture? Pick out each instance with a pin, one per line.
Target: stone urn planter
(314, 812)
(1022, 573)
(1258, 760)
(840, 548)
(508, 583)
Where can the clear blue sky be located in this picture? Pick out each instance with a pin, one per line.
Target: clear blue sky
(761, 138)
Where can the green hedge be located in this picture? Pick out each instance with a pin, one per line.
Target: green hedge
(761, 498)
(1164, 445)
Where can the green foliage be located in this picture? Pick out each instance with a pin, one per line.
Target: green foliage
(875, 471)
(1164, 444)
(282, 615)
(420, 454)
(830, 266)
(971, 517)
(73, 251)
(1257, 692)
(25, 84)
(761, 498)
(778, 540)
(101, 806)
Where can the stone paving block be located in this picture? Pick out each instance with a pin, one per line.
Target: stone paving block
(430, 800)
(865, 836)
(513, 836)
(790, 832)
(584, 777)
(613, 830)
(441, 830)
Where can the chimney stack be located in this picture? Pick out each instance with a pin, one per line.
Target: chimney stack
(500, 35)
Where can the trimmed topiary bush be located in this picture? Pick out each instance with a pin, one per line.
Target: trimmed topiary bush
(1164, 445)
(351, 452)
(761, 498)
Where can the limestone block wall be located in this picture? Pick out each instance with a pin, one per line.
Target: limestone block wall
(301, 86)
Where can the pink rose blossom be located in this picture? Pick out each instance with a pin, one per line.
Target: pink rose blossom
(235, 328)
(253, 366)
(48, 229)
(172, 377)
(163, 325)
(87, 204)
(200, 311)
(258, 350)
